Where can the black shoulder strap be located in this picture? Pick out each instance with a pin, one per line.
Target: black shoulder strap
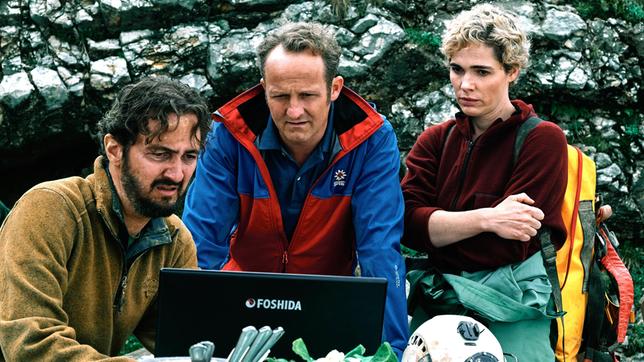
(449, 133)
(549, 254)
(524, 129)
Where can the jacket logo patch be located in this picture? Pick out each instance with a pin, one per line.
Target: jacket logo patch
(339, 178)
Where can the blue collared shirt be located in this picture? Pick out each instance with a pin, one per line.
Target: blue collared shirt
(292, 182)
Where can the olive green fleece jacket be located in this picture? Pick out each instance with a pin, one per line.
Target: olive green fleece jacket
(63, 268)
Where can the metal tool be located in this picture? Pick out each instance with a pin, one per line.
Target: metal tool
(246, 336)
(262, 336)
(202, 351)
(275, 336)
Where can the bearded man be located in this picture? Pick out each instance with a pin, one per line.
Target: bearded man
(80, 257)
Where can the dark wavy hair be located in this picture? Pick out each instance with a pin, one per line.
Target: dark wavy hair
(152, 98)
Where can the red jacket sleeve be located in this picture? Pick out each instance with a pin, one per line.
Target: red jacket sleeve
(419, 185)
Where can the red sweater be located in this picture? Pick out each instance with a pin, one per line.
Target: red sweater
(455, 181)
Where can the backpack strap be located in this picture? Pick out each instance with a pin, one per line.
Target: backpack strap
(549, 254)
(524, 129)
(449, 133)
(548, 250)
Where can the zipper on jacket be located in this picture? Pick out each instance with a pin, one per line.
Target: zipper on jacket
(120, 293)
(119, 299)
(461, 179)
(284, 260)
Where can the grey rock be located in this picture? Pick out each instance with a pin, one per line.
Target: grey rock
(74, 82)
(561, 24)
(350, 68)
(198, 82)
(610, 134)
(298, 12)
(103, 49)
(603, 123)
(188, 41)
(128, 37)
(374, 44)
(606, 38)
(401, 112)
(15, 89)
(440, 113)
(233, 58)
(422, 100)
(174, 52)
(605, 181)
(364, 24)
(252, 3)
(570, 75)
(611, 171)
(602, 160)
(10, 12)
(50, 11)
(50, 87)
(525, 13)
(66, 53)
(108, 73)
(343, 36)
(11, 60)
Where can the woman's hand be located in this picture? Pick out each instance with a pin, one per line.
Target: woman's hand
(514, 218)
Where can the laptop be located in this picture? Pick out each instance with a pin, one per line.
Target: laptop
(327, 312)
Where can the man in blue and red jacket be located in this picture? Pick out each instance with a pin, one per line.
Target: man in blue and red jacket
(300, 175)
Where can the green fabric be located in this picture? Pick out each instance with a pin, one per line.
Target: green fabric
(512, 300)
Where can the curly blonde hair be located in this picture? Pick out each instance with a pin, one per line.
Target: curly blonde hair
(492, 26)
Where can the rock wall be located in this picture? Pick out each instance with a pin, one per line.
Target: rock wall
(62, 62)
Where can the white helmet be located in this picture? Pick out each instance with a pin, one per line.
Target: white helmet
(453, 338)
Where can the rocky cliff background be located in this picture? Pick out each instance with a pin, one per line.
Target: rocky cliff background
(62, 61)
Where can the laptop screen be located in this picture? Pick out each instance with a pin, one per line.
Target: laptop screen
(327, 312)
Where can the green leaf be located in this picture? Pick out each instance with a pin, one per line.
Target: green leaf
(300, 349)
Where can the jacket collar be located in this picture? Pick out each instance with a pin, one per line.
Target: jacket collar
(499, 127)
(245, 117)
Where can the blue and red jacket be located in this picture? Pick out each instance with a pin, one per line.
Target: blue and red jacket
(353, 213)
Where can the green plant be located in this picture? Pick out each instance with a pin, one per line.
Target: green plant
(423, 38)
(630, 10)
(131, 345)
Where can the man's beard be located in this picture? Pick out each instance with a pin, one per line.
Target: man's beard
(142, 204)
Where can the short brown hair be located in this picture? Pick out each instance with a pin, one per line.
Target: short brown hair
(298, 37)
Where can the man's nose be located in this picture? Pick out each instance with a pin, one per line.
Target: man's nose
(294, 110)
(174, 170)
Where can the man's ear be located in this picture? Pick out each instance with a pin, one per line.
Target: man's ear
(336, 87)
(261, 81)
(113, 150)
